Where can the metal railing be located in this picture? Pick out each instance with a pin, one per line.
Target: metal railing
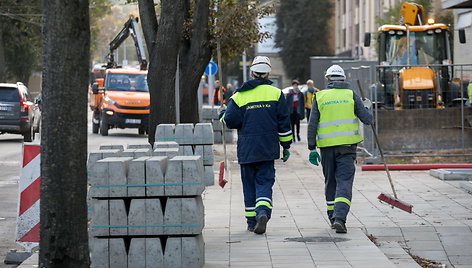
(452, 80)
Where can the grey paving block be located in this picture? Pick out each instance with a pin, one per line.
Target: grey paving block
(154, 253)
(186, 150)
(193, 251)
(209, 112)
(173, 175)
(166, 144)
(137, 176)
(209, 177)
(216, 125)
(117, 174)
(173, 216)
(229, 137)
(217, 137)
(192, 215)
(98, 176)
(111, 153)
(99, 217)
(154, 216)
(137, 217)
(203, 133)
(173, 252)
(118, 216)
(192, 175)
(169, 152)
(93, 157)
(139, 146)
(184, 134)
(155, 170)
(118, 256)
(451, 174)
(99, 253)
(128, 152)
(206, 152)
(466, 186)
(137, 253)
(108, 146)
(142, 152)
(165, 132)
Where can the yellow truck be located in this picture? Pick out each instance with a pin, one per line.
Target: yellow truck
(415, 58)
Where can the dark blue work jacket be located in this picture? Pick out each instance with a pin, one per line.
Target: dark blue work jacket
(258, 111)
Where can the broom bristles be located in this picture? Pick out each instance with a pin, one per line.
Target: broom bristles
(395, 202)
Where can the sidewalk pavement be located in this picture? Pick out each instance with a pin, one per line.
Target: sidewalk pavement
(298, 234)
(440, 229)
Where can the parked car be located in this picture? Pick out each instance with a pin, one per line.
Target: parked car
(18, 114)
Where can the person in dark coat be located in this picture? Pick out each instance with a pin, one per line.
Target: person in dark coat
(296, 107)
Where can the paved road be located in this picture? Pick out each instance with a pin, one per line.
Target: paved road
(10, 168)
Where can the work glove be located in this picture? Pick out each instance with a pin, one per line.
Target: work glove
(367, 103)
(314, 158)
(221, 115)
(286, 155)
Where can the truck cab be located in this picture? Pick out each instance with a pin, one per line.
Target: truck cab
(120, 100)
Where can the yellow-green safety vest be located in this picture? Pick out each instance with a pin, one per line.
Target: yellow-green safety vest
(469, 91)
(338, 125)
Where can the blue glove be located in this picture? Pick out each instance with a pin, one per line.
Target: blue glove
(221, 115)
(286, 155)
(314, 158)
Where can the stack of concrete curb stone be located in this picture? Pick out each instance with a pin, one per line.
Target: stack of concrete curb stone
(210, 115)
(189, 140)
(144, 210)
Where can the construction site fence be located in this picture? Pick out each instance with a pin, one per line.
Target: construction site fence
(416, 131)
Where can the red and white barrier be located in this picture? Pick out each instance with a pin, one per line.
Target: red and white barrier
(27, 229)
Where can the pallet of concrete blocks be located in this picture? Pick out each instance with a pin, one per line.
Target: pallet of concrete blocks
(146, 217)
(218, 136)
(206, 152)
(185, 134)
(146, 176)
(210, 113)
(148, 252)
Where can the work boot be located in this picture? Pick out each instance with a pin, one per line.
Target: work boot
(340, 226)
(298, 137)
(250, 229)
(331, 222)
(261, 224)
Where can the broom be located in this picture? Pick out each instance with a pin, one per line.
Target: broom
(391, 200)
(222, 179)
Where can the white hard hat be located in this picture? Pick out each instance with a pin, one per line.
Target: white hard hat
(261, 64)
(335, 72)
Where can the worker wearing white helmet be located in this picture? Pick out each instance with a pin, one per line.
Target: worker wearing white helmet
(258, 111)
(334, 128)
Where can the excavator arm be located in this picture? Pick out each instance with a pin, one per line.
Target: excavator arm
(129, 28)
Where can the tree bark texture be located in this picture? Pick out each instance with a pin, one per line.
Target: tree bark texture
(195, 54)
(163, 64)
(147, 14)
(63, 228)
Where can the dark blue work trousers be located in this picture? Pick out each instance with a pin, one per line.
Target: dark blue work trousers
(258, 179)
(338, 169)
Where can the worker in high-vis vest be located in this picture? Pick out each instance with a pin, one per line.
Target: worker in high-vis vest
(469, 92)
(259, 112)
(334, 128)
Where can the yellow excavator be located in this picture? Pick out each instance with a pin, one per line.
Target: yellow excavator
(415, 58)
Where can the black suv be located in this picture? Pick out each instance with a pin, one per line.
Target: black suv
(18, 114)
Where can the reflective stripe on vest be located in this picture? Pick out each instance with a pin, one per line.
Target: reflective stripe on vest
(260, 93)
(338, 125)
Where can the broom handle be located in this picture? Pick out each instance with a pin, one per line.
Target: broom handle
(378, 145)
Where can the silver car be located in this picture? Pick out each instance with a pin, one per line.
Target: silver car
(18, 114)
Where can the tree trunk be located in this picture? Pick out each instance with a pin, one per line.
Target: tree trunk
(63, 228)
(163, 64)
(194, 56)
(149, 24)
(2, 59)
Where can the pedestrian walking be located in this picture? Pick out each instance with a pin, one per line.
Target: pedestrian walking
(296, 107)
(216, 93)
(310, 92)
(258, 111)
(334, 128)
